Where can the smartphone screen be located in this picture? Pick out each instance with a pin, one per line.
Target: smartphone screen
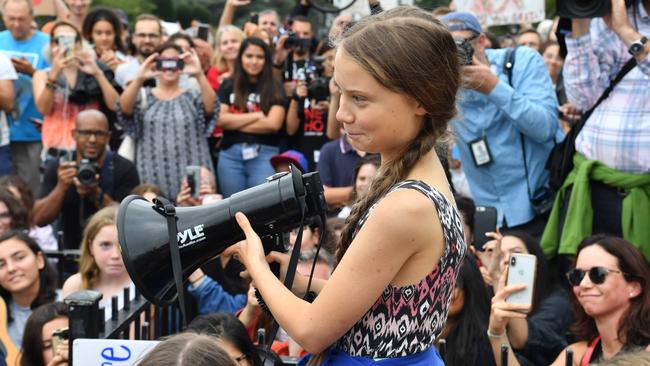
(522, 270)
(58, 336)
(194, 179)
(202, 32)
(485, 220)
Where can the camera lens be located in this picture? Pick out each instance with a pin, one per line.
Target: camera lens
(513, 261)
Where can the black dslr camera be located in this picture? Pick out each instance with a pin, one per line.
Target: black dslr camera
(465, 51)
(293, 41)
(586, 8)
(87, 171)
(317, 85)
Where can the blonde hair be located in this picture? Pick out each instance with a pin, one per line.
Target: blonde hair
(219, 61)
(88, 268)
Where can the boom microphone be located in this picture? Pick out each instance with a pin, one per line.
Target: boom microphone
(204, 232)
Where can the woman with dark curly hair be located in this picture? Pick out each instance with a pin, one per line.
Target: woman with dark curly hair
(102, 28)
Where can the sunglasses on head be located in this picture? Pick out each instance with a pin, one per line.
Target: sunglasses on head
(597, 275)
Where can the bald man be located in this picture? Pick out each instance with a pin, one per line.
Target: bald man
(64, 193)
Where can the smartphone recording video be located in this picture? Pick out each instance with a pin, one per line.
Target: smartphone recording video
(522, 269)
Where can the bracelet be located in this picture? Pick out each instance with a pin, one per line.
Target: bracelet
(492, 335)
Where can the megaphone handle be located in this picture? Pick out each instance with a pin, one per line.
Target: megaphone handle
(167, 209)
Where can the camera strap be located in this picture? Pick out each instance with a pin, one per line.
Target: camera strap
(164, 207)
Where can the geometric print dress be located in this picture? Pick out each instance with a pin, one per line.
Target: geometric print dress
(406, 320)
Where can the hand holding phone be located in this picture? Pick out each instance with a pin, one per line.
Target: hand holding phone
(58, 337)
(485, 221)
(522, 270)
(194, 180)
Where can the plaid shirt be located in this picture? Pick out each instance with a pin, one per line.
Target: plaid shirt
(618, 132)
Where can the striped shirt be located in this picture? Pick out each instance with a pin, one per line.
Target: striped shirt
(618, 131)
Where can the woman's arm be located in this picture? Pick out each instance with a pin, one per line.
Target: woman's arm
(6, 95)
(229, 11)
(293, 121)
(269, 123)
(43, 95)
(333, 128)
(72, 284)
(373, 260)
(236, 121)
(207, 93)
(130, 94)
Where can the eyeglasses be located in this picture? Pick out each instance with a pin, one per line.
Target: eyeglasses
(147, 35)
(87, 133)
(597, 275)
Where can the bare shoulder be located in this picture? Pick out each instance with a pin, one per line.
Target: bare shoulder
(72, 284)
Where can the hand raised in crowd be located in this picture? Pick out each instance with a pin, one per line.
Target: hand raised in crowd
(66, 173)
(110, 59)
(60, 60)
(23, 66)
(148, 69)
(301, 90)
(478, 76)
(192, 63)
(86, 63)
(491, 258)
(501, 310)
(618, 20)
(60, 355)
(237, 3)
(281, 53)
(89, 190)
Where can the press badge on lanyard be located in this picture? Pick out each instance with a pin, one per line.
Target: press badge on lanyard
(480, 151)
(249, 152)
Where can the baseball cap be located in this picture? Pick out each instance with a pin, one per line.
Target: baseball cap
(291, 157)
(460, 20)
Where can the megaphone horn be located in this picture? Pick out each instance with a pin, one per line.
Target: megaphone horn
(205, 231)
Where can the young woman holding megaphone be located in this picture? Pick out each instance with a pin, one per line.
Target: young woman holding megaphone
(402, 248)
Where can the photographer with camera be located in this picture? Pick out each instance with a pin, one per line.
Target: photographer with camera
(292, 60)
(607, 189)
(94, 179)
(307, 116)
(506, 128)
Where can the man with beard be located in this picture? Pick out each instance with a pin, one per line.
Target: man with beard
(147, 36)
(76, 197)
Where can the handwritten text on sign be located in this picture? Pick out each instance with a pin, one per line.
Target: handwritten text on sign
(109, 352)
(501, 12)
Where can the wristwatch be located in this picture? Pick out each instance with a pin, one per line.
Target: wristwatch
(638, 46)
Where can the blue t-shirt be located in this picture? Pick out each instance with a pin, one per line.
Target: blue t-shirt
(20, 122)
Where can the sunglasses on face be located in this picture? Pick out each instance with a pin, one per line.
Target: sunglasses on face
(597, 275)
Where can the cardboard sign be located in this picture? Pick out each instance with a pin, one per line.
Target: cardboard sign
(109, 352)
(502, 12)
(44, 7)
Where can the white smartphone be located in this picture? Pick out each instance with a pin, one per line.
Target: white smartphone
(522, 269)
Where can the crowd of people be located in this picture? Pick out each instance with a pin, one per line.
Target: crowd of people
(426, 129)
